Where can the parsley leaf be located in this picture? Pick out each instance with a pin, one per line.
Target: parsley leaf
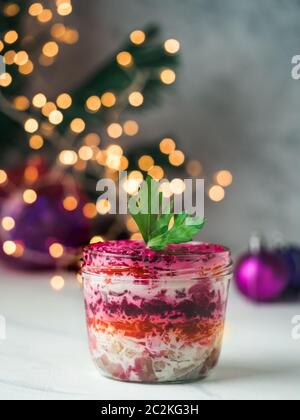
(154, 221)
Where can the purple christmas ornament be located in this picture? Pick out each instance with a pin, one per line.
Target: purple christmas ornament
(45, 222)
(261, 275)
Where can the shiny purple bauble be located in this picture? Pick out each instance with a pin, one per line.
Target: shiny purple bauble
(44, 223)
(261, 277)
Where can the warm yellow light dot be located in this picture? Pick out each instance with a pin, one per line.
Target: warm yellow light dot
(36, 142)
(177, 186)
(70, 203)
(124, 59)
(64, 9)
(136, 99)
(177, 158)
(156, 172)
(11, 9)
(45, 16)
(64, 101)
(21, 103)
(21, 58)
(5, 80)
(58, 30)
(131, 186)
(93, 104)
(92, 140)
(216, 193)
(224, 178)
(138, 37)
(194, 168)
(51, 49)
(9, 57)
(80, 165)
(31, 174)
(11, 37)
(131, 128)
(56, 250)
(8, 223)
(77, 125)
(1, 46)
(172, 46)
(46, 61)
(167, 146)
(56, 117)
(85, 153)
(9, 247)
(146, 163)
(29, 196)
(27, 68)
(103, 206)
(165, 188)
(108, 99)
(35, 9)
(136, 175)
(168, 76)
(115, 130)
(113, 162)
(31, 125)
(68, 157)
(114, 150)
(136, 237)
(48, 108)
(3, 177)
(39, 100)
(70, 37)
(124, 163)
(89, 210)
(96, 240)
(57, 283)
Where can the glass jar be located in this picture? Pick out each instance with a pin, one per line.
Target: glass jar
(156, 316)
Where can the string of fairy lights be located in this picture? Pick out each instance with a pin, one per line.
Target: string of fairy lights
(42, 116)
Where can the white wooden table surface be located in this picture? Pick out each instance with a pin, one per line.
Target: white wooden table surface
(45, 354)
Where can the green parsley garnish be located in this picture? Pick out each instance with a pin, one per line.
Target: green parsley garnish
(159, 226)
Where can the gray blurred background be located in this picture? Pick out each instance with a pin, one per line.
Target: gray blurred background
(234, 106)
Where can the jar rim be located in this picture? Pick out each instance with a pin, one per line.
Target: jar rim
(138, 250)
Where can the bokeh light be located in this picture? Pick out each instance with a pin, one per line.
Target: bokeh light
(31, 125)
(177, 158)
(93, 104)
(3, 177)
(146, 163)
(136, 99)
(57, 283)
(138, 37)
(168, 76)
(56, 250)
(36, 142)
(172, 46)
(224, 178)
(124, 59)
(131, 128)
(64, 101)
(90, 210)
(39, 100)
(115, 130)
(167, 146)
(8, 223)
(103, 206)
(29, 196)
(70, 203)
(68, 157)
(77, 125)
(216, 193)
(156, 172)
(108, 99)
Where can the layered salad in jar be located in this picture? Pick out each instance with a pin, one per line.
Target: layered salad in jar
(155, 316)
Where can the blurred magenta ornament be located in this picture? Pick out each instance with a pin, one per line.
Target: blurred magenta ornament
(291, 257)
(49, 231)
(261, 275)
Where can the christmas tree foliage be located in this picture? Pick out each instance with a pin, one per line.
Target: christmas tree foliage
(75, 137)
